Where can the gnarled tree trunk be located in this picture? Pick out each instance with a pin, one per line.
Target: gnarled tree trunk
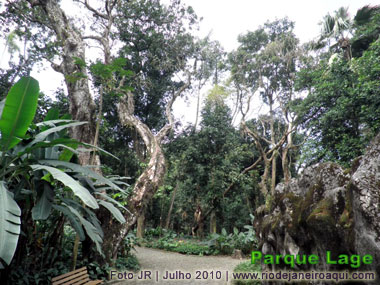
(151, 178)
(82, 106)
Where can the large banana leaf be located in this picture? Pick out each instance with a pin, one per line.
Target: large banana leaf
(41, 210)
(91, 230)
(78, 189)
(9, 224)
(43, 135)
(80, 169)
(115, 211)
(73, 220)
(19, 110)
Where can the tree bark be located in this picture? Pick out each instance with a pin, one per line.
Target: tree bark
(153, 175)
(213, 222)
(82, 106)
(285, 159)
(171, 207)
(141, 225)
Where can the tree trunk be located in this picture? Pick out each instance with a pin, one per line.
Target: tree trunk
(151, 178)
(274, 172)
(82, 106)
(273, 140)
(264, 178)
(285, 159)
(141, 225)
(197, 111)
(213, 222)
(171, 207)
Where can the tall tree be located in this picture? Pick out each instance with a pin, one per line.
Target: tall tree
(340, 110)
(265, 65)
(158, 47)
(39, 20)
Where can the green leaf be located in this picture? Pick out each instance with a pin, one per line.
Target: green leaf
(52, 114)
(78, 189)
(2, 104)
(73, 220)
(83, 170)
(43, 135)
(19, 110)
(115, 211)
(10, 224)
(53, 123)
(91, 230)
(42, 209)
(99, 149)
(105, 196)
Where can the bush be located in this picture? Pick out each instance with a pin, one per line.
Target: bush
(247, 266)
(171, 242)
(226, 243)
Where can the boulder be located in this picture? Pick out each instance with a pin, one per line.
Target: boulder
(325, 209)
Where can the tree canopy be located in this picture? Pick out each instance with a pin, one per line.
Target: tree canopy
(106, 154)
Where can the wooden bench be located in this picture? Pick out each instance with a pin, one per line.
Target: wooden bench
(76, 277)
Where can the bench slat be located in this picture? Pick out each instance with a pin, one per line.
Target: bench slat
(76, 277)
(82, 280)
(69, 274)
(72, 278)
(95, 282)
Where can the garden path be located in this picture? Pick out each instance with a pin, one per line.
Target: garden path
(210, 269)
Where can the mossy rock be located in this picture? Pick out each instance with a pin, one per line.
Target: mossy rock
(321, 218)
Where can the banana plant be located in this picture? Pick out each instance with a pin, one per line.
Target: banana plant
(35, 161)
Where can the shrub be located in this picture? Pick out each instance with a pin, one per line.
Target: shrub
(247, 266)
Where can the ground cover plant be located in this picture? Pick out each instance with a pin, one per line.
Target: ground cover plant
(214, 244)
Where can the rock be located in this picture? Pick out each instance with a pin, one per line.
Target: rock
(237, 254)
(326, 209)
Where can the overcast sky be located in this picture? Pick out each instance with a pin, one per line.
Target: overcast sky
(226, 19)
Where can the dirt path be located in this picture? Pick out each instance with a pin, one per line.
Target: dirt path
(183, 269)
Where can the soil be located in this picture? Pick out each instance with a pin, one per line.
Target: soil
(184, 269)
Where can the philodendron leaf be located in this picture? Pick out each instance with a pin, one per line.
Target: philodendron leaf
(19, 110)
(68, 181)
(10, 224)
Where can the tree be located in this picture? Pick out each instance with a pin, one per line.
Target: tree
(157, 47)
(336, 27)
(209, 63)
(49, 20)
(265, 64)
(340, 29)
(204, 164)
(339, 109)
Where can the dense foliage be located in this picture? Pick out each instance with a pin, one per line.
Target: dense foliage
(195, 187)
(341, 110)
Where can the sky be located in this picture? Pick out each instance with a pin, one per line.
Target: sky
(226, 20)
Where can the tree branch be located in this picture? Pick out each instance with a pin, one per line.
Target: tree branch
(163, 132)
(93, 10)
